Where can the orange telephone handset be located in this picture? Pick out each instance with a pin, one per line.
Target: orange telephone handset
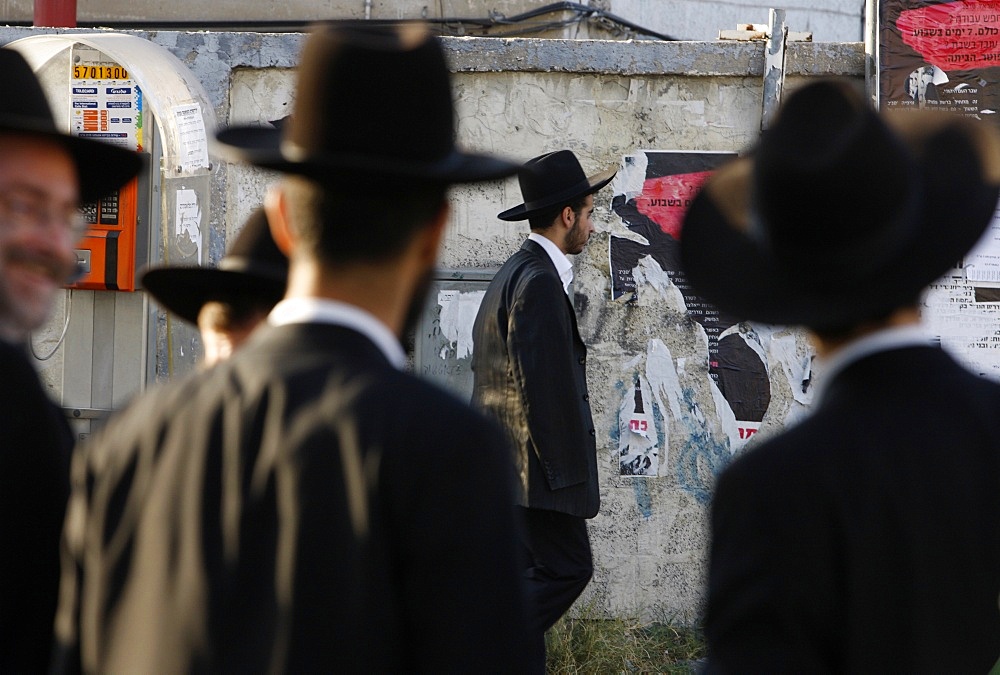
(106, 253)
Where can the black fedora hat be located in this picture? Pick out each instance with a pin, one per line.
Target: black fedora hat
(370, 101)
(551, 180)
(254, 268)
(100, 167)
(839, 214)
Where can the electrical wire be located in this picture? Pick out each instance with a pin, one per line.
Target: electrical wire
(68, 310)
(455, 26)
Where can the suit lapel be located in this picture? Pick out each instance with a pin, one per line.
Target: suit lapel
(535, 249)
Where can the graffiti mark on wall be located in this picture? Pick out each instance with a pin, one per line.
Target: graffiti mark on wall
(701, 457)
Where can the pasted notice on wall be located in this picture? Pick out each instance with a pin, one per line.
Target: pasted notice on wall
(458, 313)
(187, 223)
(638, 433)
(442, 338)
(939, 55)
(969, 330)
(982, 263)
(192, 138)
(651, 194)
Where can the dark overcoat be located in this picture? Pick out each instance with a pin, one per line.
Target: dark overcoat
(301, 507)
(529, 371)
(867, 537)
(35, 446)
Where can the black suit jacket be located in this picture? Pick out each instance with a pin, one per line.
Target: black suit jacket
(35, 445)
(529, 367)
(302, 507)
(866, 538)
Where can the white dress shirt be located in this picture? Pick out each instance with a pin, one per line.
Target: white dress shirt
(563, 266)
(323, 310)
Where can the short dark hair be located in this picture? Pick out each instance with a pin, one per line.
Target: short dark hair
(359, 221)
(544, 220)
(229, 312)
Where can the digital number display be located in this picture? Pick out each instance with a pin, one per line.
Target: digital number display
(99, 73)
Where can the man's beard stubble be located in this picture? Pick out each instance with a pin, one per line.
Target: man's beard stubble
(416, 310)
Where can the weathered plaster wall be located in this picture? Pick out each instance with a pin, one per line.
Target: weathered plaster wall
(603, 100)
(829, 21)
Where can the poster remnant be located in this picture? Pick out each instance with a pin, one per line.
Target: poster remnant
(187, 223)
(193, 139)
(944, 55)
(458, 314)
(939, 55)
(638, 451)
(651, 195)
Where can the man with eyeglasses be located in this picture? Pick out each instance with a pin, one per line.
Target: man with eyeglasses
(44, 175)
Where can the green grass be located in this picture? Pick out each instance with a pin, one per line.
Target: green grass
(590, 645)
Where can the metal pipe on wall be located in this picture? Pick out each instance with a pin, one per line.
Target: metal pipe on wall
(55, 13)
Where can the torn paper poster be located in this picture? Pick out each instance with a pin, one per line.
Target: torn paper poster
(638, 451)
(187, 222)
(651, 197)
(938, 55)
(458, 313)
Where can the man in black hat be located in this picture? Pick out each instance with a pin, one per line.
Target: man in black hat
(529, 367)
(306, 506)
(44, 175)
(867, 537)
(227, 302)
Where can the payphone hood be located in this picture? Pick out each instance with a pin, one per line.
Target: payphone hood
(101, 167)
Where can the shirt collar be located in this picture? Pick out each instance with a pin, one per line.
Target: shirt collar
(879, 341)
(322, 310)
(563, 266)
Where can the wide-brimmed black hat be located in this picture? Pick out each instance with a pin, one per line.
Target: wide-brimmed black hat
(254, 268)
(839, 214)
(374, 101)
(551, 180)
(100, 167)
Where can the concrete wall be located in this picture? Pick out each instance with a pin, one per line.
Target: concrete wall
(604, 100)
(830, 20)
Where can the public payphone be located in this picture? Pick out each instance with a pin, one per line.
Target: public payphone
(106, 104)
(106, 254)
(104, 343)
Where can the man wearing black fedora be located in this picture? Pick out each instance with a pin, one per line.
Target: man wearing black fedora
(44, 175)
(866, 538)
(227, 302)
(305, 505)
(529, 367)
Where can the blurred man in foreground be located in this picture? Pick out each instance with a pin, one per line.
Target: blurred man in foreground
(867, 537)
(306, 506)
(44, 175)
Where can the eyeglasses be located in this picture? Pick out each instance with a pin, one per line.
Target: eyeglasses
(28, 209)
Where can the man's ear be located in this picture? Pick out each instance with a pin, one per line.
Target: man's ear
(567, 218)
(276, 209)
(434, 233)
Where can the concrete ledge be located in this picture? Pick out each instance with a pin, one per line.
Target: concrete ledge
(474, 54)
(694, 59)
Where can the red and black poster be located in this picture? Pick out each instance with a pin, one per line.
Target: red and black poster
(939, 55)
(653, 190)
